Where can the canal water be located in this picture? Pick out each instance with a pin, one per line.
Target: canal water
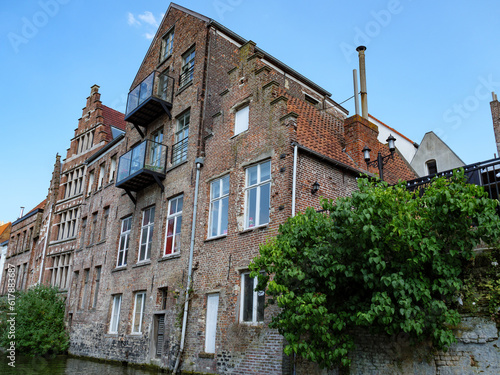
(64, 365)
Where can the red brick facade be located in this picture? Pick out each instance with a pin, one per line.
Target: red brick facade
(84, 230)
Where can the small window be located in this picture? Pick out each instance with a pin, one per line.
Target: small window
(97, 283)
(104, 224)
(431, 166)
(101, 176)
(174, 223)
(140, 301)
(219, 202)
(311, 101)
(180, 148)
(241, 120)
(124, 242)
(167, 45)
(258, 194)
(91, 182)
(112, 168)
(165, 86)
(147, 227)
(187, 68)
(252, 301)
(115, 313)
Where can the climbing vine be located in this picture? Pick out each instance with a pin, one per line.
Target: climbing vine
(386, 259)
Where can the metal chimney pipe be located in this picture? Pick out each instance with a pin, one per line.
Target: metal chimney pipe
(362, 77)
(356, 98)
(21, 214)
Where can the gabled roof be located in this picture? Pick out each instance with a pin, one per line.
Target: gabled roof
(5, 231)
(279, 64)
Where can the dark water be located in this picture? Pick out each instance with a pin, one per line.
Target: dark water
(66, 365)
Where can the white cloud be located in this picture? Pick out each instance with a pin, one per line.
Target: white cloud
(132, 21)
(149, 36)
(149, 18)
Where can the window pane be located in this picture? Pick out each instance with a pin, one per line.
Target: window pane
(252, 175)
(170, 227)
(241, 120)
(265, 171)
(179, 204)
(215, 218)
(225, 185)
(264, 204)
(261, 296)
(216, 189)
(252, 201)
(224, 209)
(247, 298)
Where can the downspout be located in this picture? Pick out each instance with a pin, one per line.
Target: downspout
(45, 246)
(294, 178)
(199, 164)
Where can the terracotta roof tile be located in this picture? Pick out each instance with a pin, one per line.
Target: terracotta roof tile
(112, 118)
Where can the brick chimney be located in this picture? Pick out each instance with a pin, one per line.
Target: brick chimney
(358, 133)
(495, 114)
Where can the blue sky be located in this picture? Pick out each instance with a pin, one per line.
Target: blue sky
(430, 66)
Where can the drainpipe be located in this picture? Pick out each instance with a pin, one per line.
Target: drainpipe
(199, 164)
(294, 178)
(45, 246)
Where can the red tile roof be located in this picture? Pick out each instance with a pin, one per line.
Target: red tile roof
(40, 205)
(112, 118)
(324, 133)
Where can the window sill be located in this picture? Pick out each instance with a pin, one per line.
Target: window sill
(216, 237)
(181, 89)
(177, 165)
(243, 132)
(169, 256)
(62, 241)
(206, 355)
(163, 61)
(251, 229)
(252, 324)
(121, 268)
(142, 263)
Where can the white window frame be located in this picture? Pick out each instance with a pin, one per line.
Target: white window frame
(112, 169)
(125, 240)
(167, 44)
(140, 312)
(241, 119)
(187, 66)
(251, 222)
(101, 176)
(91, 182)
(68, 223)
(176, 218)
(147, 240)
(115, 313)
(181, 136)
(255, 301)
(218, 203)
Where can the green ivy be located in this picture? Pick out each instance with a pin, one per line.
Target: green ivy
(386, 259)
(39, 322)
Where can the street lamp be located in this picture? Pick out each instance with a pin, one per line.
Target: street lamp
(381, 160)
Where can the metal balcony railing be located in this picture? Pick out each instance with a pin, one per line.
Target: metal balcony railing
(149, 99)
(485, 174)
(142, 165)
(179, 151)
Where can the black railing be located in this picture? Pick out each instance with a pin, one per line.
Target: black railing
(147, 156)
(186, 76)
(485, 174)
(179, 151)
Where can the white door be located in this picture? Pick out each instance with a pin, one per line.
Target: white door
(212, 307)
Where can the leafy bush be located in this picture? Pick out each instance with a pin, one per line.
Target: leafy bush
(386, 259)
(39, 328)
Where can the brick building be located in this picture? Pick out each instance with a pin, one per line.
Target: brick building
(223, 143)
(152, 219)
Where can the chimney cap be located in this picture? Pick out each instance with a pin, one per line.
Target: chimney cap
(361, 48)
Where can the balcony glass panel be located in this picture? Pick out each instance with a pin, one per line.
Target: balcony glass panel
(155, 85)
(145, 158)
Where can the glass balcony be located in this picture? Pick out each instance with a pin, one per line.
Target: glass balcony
(150, 99)
(142, 166)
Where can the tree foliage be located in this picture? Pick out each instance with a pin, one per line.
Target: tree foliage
(386, 259)
(39, 322)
